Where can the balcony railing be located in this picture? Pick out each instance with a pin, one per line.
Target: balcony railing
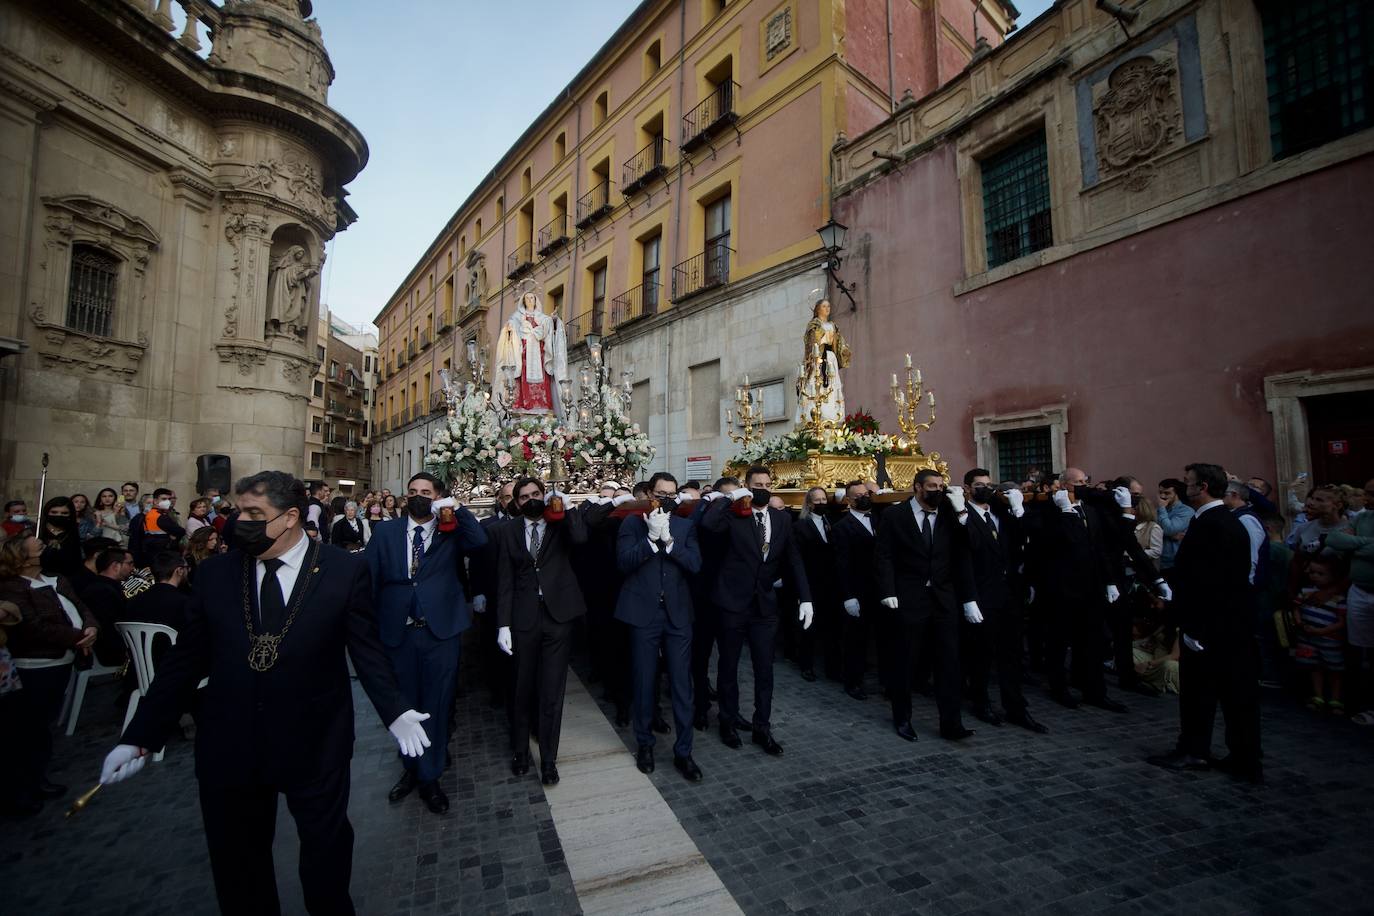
(354, 413)
(519, 261)
(424, 340)
(634, 304)
(579, 326)
(414, 350)
(715, 112)
(334, 407)
(706, 271)
(553, 236)
(593, 205)
(643, 167)
(400, 357)
(445, 320)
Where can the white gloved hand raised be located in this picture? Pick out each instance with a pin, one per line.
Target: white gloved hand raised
(121, 763)
(1017, 501)
(409, 733)
(448, 502)
(956, 499)
(1164, 590)
(1113, 593)
(657, 521)
(1122, 497)
(742, 493)
(971, 612)
(713, 496)
(851, 607)
(479, 604)
(622, 499)
(890, 603)
(503, 641)
(804, 614)
(1061, 499)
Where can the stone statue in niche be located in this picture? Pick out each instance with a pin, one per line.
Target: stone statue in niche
(288, 310)
(1139, 116)
(475, 288)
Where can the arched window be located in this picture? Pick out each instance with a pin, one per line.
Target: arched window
(91, 293)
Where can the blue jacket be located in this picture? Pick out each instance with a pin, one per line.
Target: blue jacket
(1173, 520)
(649, 574)
(435, 593)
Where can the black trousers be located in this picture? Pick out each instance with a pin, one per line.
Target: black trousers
(996, 642)
(1076, 624)
(705, 634)
(675, 644)
(760, 630)
(853, 640)
(240, 822)
(938, 629)
(37, 705)
(541, 670)
(1225, 676)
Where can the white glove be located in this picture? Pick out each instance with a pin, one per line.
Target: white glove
(448, 502)
(956, 499)
(1164, 590)
(1030, 599)
(777, 583)
(890, 603)
(622, 499)
(686, 496)
(1122, 497)
(1061, 499)
(121, 763)
(742, 493)
(479, 604)
(409, 733)
(851, 607)
(971, 612)
(713, 496)
(1113, 593)
(883, 490)
(503, 641)
(1017, 500)
(657, 521)
(804, 614)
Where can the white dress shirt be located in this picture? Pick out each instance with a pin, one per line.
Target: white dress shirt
(864, 520)
(530, 525)
(291, 563)
(767, 524)
(426, 537)
(820, 525)
(72, 614)
(921, 512)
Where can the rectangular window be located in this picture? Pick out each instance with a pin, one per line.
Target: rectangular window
(319, 353)
(316, 460)
(91, 293)
(1019, 450)
(1317, 62)
(639, 405)
(652, 249)
(598, 298)
(367, 363)
(319, 388)
(315, 425)
(1016, 200)
(704, 391)
(717, 248)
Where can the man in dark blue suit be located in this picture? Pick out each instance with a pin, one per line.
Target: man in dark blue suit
(656, 554)
(276, 717)
(421, 613)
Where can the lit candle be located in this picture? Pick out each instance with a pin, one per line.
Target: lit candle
(746, 380)
(908, 360)
(918, 376)
(894, 381)
(932, 399)
(729, 417)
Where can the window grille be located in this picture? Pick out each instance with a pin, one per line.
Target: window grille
(1019, 450)
(1016, 200)
(91, 296)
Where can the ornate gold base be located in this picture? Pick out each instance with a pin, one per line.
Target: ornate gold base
(822, 469)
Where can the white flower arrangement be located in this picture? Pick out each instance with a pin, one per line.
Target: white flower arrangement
(470, 443)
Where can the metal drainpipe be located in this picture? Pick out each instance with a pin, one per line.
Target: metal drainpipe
(891, 80)
(570, 296)
(677, 240)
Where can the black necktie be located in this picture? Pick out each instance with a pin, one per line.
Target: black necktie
(761, 531)
(1081, 516)
(992, 526)
(417, 551)
(271, 607)
(927, 529)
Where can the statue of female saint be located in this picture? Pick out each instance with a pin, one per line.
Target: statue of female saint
(532, 353)
(824, 354)
(290, 287)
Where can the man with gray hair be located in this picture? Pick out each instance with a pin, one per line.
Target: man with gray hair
(1237, 499)
(268, 625)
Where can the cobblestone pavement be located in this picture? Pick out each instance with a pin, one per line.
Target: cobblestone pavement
(850, 820)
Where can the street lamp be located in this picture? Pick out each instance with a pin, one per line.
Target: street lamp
(833, 237)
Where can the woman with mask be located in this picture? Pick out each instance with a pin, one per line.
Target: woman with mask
(54, 628)
(61, 543)
(111, 521)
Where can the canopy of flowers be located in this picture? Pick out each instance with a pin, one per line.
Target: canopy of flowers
(470, 443)
(611, 441)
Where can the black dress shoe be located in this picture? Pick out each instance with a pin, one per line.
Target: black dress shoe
(659, 726)
(687, 767)
(729, 737)
(1179, 762)
(701, 721)
(955, 734)
(548, 773)
(1025, 721)
(857, 693)
(1108, 704)
(404, 786)
(764, 739)
(433, 797)
(1064, 698)
(808, 675)
(51, 789)
(906, 732)
(987, 714)
(644, 758)
(520, 764)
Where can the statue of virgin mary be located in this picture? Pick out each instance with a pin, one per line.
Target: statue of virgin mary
(824, 354)
(532, 354)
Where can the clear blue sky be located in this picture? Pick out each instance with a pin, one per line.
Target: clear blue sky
(441, 89)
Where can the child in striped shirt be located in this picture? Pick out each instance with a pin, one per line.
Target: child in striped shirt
(1319, 612)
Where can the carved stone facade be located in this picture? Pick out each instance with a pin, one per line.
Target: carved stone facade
(151, 193)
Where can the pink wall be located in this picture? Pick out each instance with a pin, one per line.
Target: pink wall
(1159, 342)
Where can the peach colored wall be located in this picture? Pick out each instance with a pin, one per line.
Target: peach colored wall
(1159, 342)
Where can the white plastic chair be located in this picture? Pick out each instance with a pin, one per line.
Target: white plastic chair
(76, 691)
(138, 637)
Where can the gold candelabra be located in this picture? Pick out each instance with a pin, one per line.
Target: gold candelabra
(811, 401)
(908, 400)
(748, 413)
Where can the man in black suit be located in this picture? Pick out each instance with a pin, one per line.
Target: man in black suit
(759, 541)
(537, 601)
(1215, 613)
(815, 541)
(922, 566)
(657, 553)
(277, 714)
(857, 588)
(164, 602)
(103, 595)
(706, 624)
(482, 581)
(997, 550)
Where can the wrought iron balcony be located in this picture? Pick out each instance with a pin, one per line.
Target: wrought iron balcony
(715, 112)
(579, 326)
(705, 271)
(643, 167)
(593, 205)
(414, 350)
(634, 304)
(334, 407)
(553, 236)
(519, 261)
(424, 340)
(445, 320)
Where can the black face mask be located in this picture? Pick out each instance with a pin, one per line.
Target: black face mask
(760, 497)
(932, 499)
(863, 503)
(250, 535)
(983, 495)
(667, 503)
(419, 507)
(63, 522)
(533, 508)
